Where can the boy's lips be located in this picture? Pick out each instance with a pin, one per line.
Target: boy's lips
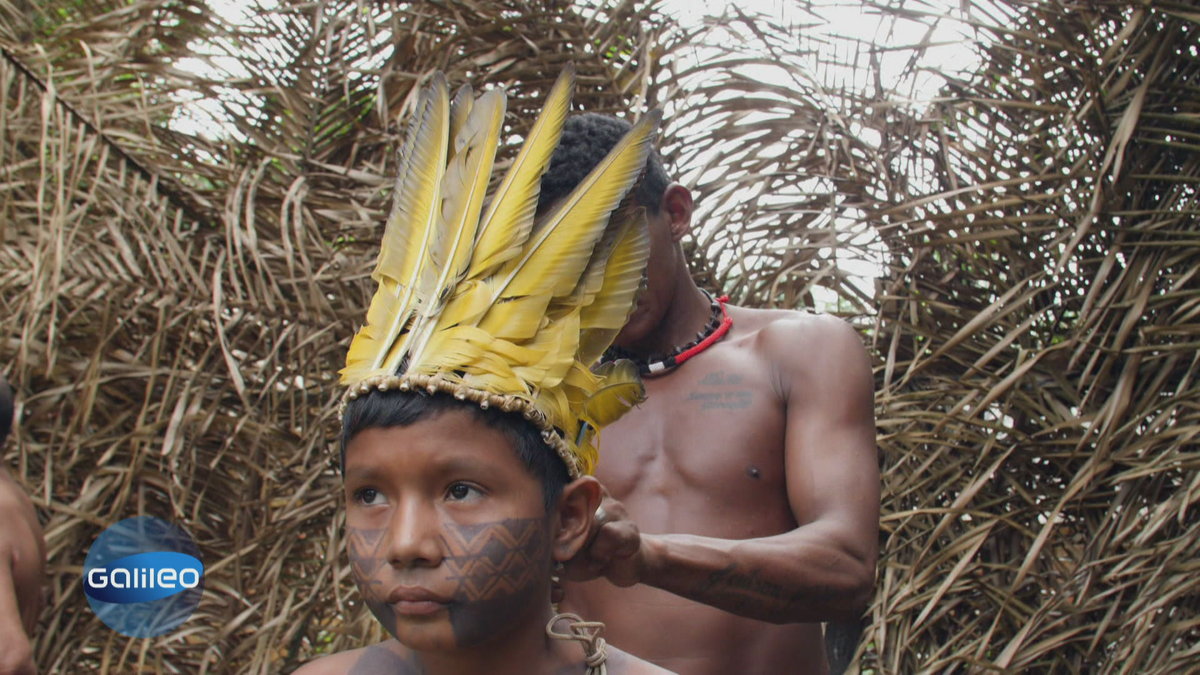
(415, 600)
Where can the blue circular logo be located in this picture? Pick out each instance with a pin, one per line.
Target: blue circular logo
(143, 577)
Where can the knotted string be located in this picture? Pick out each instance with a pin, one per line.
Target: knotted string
(586, 633)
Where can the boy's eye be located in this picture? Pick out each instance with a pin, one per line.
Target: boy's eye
(368, 496)
(460, 492)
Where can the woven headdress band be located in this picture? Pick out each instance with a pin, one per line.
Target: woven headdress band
(483, 301)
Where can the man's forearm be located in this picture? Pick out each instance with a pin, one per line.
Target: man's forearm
(790, 578)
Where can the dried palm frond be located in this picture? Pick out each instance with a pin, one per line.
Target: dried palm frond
(188, 206)
(1019, 252)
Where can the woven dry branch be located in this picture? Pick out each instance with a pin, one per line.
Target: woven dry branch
(1038, 388)
(175, 307)
(1034, 315)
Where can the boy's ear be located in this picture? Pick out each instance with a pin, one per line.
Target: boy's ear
(573, 513)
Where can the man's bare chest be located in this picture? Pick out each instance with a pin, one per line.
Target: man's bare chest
(714, 427)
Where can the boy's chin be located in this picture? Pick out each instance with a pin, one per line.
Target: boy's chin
(426, 636)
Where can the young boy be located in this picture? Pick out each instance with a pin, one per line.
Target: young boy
(469, 425)
(455, 517)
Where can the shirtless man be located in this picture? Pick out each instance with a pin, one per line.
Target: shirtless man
(744, 494)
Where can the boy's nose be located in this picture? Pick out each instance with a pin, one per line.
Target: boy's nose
(415, 535)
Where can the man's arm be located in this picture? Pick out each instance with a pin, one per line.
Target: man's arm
(824, 569)
(22, 562)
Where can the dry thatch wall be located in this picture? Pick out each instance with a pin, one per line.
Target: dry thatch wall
(173, 307)
(1034, 316)
(174, 310)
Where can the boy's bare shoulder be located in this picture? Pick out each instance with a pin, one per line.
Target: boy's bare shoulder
(329, 665)
(622, 663)
(381, 659)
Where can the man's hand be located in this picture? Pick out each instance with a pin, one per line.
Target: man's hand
(616, 549)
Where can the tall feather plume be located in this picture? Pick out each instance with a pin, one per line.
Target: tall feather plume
(460, 109)
(464, 186)
(561, 244)
(501, 304)
(509, 218)
(407, 240)
(606, 314)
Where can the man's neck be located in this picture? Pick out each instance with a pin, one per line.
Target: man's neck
(524, 651)
(689, 312)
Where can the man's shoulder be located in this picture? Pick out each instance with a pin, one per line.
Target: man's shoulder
(788, 334)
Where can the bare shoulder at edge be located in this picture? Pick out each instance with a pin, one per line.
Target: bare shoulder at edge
(787, 329)
(373, 660)
(622, 663)
(333, 664)
(757, 318)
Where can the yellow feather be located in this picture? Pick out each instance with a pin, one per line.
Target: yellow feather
(561, 244)
(407, 239)
(517, 318)
(555, 405)
(464, 187)
(556, 344)
(370, 340)
(610, 308)
(412, 131)
(460, 109)
(509, 218)
(592, 278)
(622, 389)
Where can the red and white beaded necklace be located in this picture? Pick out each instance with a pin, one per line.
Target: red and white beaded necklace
(716, 328)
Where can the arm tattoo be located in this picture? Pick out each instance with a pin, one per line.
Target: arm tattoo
(739, 591)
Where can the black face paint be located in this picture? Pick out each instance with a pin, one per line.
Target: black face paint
(364, 548)
(499, 571)
(500, 568)
(379, 660)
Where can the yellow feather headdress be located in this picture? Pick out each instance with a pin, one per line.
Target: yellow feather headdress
(481, 300)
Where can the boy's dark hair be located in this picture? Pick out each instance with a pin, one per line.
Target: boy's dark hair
(6, 408)
(585, 141)
(384, 409)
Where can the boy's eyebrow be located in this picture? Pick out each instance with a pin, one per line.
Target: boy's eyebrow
(461, 462)
(443, 464)
(360, 473)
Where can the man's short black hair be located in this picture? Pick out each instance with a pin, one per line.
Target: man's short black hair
(384, 409)
(6, 408)
(586, 140)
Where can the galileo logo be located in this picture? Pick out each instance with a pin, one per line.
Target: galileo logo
(143, 577)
